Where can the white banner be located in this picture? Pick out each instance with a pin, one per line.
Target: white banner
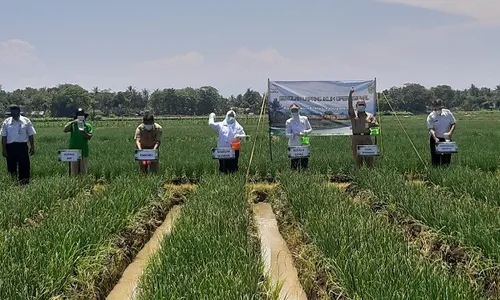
(323, 102)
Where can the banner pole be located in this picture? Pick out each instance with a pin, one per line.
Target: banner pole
(378, 116)
(269, 120)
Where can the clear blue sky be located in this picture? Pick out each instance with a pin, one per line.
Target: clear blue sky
(234, 45)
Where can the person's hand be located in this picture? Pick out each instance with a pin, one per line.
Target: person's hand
(32, 151)
(436, 139)
(448, 134)
(302, 133)
(4, 153)
(212, 115)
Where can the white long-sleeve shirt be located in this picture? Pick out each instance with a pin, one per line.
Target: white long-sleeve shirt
(294, 127)
(226, 131)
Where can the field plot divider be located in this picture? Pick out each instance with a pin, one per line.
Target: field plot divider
(433, 246)
(293, 267)
(126, 288)
(122, 265)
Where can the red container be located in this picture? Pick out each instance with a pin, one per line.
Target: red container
(235, 145)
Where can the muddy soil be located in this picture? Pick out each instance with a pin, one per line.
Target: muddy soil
(126, 288)
(126, 245)
(278, 261)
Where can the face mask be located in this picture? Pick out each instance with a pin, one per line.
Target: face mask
(438, 111)
(295, 115)
(148, 127)
(230, 120)
(15, 115)
(81, 118)
(361, 108)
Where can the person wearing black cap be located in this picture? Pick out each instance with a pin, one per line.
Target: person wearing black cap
(80, 135)
(17, 131)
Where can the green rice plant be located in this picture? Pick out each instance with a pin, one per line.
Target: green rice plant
(481, 185)
(38, 262)
(468, 221)
(38, 198)
(209, 254)
(370, 258)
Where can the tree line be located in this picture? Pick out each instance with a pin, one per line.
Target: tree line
(64, 99)
(416, 98)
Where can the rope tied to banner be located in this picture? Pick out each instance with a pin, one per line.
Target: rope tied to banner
(406, 133)
(264, 99)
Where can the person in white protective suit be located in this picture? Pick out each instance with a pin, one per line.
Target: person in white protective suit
(230, 134)
(296, 127)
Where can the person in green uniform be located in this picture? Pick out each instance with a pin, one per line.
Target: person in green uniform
(80, 135)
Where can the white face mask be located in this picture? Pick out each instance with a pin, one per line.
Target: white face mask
(148, 127)
(81, 118)
(438, 111)
(361, 108)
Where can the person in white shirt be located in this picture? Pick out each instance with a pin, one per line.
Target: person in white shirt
(441, 124)
(229, 131)
(296, 127)
(16, 132)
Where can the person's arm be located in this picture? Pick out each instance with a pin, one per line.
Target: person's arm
(288, 131)
(211, 122)
(373, 122)
(69, 126)
(453, 125)
(4, 146)
(430, 127)
(31, 138)
(137, 137)
(88, 131)
(350, 107)
(158, 138)
(4, 139)
(308, 126)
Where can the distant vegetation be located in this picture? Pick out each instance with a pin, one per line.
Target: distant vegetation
(61, 101)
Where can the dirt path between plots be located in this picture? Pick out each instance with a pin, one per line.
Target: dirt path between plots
(126, 288)
(278, 261)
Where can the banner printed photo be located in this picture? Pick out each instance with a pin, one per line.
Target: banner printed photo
(323, 102)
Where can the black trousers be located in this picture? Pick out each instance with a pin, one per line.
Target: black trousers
(439, 159)
(18, 161)
(229, 165)
(299, 163)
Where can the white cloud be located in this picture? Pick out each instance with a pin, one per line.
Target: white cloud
(19, 58)
(270, 63)
(483, 11)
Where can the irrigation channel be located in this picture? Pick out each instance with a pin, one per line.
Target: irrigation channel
(126, 288)
(279, 268)
(278, 261)
(286, 251)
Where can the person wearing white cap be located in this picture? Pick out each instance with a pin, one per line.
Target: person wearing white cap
(296, 127)
(229, 131)
(441, 124)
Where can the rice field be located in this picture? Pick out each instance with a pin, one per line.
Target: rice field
(404, 230)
